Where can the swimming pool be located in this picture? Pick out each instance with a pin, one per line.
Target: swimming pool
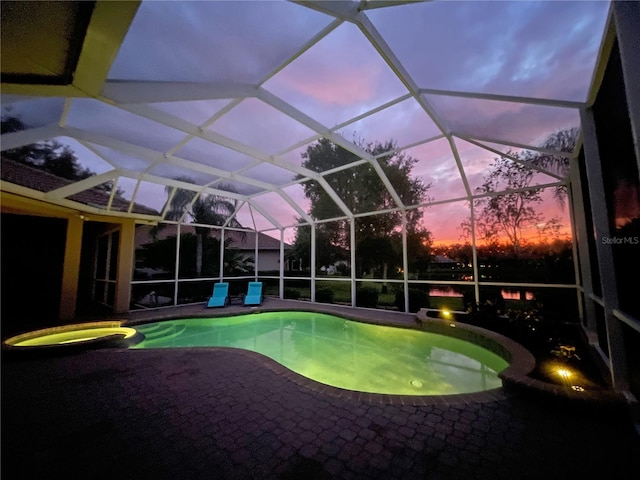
(342, 353)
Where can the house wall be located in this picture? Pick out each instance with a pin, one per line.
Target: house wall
(268, 260)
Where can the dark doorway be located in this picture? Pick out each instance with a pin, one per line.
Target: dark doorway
(88, 304)
(32, 260)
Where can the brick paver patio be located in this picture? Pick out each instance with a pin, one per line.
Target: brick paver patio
(224, 414)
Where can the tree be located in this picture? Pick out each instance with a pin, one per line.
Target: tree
(562, 141)
(237, 263)
(50, 155)
(328, 249)
(361, 190)
(161, 255)
(508, 214)
(509, 210)
(206, 209)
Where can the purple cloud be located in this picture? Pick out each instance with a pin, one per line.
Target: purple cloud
(255, 123)
(196, 41)
(515, 48)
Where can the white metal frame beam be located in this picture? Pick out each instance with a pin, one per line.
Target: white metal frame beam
(82, 185)
(546, 102)
(124, 92)
(32, 135)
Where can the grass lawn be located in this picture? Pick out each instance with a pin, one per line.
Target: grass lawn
(342, 294)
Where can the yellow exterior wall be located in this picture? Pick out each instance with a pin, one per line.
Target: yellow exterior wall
(71, 269)
(125, 266)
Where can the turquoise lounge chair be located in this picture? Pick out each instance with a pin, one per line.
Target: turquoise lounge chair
(220, 297)
(254, 294)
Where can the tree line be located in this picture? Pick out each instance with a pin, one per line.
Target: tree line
(500, 218)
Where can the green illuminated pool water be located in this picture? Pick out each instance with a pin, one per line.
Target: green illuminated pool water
(342, 353)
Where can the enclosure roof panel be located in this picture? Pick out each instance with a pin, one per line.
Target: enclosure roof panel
(216, 97)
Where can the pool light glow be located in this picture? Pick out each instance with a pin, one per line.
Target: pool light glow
(564, 372)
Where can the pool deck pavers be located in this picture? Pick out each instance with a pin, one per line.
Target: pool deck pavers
(229, 414)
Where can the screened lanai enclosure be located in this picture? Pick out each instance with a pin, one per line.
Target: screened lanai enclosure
(381, 154)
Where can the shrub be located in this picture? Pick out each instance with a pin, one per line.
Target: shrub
(291, 293)
(366, 297)
(417, 299)
(324, 295)
(343, 269)
(469, 301)
(298, 283)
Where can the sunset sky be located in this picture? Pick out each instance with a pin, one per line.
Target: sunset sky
(326, 70)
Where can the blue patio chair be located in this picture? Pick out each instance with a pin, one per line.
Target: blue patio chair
(254, 294)
(220, 297)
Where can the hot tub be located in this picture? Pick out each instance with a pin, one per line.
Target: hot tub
(74, 337)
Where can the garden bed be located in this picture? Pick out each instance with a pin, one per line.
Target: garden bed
(562, 356)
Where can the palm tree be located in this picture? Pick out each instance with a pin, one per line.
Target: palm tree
(563, 141)
(237, 263)
(207, 209)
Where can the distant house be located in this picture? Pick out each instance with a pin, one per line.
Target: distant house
(445, 268)
(241, 241)
(335, 267)
(268, 248)
(443, 261)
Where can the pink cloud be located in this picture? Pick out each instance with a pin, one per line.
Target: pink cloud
(343, 87)
(333, 83)
(443, 221)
